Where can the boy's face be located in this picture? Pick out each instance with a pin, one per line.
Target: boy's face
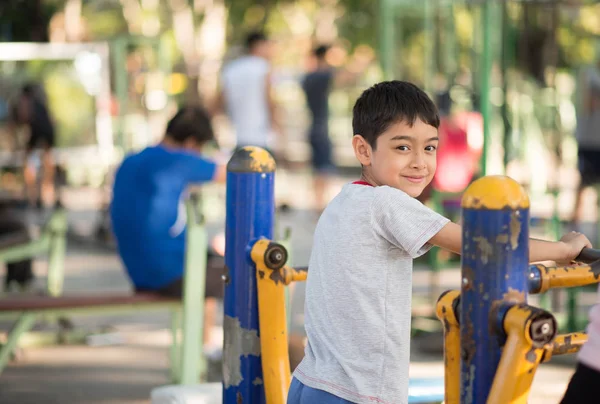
(405, 157)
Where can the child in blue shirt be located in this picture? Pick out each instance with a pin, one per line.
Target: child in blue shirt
(147, 209)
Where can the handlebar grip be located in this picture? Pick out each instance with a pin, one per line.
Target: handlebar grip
(588, 255)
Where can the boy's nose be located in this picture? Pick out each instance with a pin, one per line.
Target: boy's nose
(418, 160)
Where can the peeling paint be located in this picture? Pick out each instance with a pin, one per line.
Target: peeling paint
(469, 388)
(468, 276)
(257, 381)
(502, 238)
(468, 346)
(531, 356)
(484, 248)
(514, 296)
(261, 159)
(515, 230)
(238, 342)
(277, 277)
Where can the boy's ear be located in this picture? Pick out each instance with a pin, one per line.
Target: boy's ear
(362, 150)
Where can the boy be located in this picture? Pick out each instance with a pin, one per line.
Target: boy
(358, 294)
(147, 211)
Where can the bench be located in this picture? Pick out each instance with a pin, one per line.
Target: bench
(187, 314)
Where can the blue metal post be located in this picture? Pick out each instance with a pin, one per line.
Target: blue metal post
(495, 261)
(250, 215)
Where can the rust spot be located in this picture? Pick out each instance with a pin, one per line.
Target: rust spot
(468, 275)
(468, 346)
(595, 269)
(226, 278)
(261, 274)
(446, 325)
(565, 347)
(277, 276)
(484, 248)
(531, 356)
(238, 398)
(515, 230)
(502, 239)
(514, 296)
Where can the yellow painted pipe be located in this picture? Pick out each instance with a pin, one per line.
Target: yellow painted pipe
(272, 326)
(290, 275)
(566, 277)
(566, 344)
(449, 318)
(520, 359)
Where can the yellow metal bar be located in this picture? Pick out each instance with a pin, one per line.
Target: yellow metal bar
(566, 344)
(290, 275)
(521, 355)
(272, 326)
(567, 277)
(449, 318)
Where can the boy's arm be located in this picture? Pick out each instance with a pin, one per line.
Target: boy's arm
(563, 251)
(220, 173)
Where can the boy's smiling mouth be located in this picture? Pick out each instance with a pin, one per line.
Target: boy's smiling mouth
(415, 179)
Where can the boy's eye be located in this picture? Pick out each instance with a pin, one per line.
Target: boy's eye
(431, 148)
(403, 148)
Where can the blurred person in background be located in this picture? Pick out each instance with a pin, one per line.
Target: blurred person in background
(31, 112)
(317, 85)
(245, 94)
(587, 133)
(148, 213)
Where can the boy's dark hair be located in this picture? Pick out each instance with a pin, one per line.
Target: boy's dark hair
(321, 51)
(389, 102)
(254, 38)
(190, 122)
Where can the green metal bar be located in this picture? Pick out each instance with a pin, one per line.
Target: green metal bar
(57, 251)
(24, 324)
(193, 297)
(505, 61)
(449, 43)
(25, 251)
(486, 70)
(386, 38)
(429, 46)
(175, 349)
(119, 54)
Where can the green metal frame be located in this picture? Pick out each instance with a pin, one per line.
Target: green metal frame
(52, 241)
(187, 362)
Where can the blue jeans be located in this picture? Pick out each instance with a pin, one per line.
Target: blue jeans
(301, 394)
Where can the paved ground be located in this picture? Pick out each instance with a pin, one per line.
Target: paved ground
(125, 373)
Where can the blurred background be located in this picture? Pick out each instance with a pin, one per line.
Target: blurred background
(511, 79)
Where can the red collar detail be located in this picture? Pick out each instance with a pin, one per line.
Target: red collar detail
(362, 183)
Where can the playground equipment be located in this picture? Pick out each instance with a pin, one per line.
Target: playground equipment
(493, 340)
(187, 364)
(256, 367)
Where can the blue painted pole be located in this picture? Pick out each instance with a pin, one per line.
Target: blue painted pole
(250, 216)
(495, 262)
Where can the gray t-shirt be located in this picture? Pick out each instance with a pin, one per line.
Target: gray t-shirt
(358, 293)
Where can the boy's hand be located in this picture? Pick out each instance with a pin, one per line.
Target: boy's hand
(573, 243)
